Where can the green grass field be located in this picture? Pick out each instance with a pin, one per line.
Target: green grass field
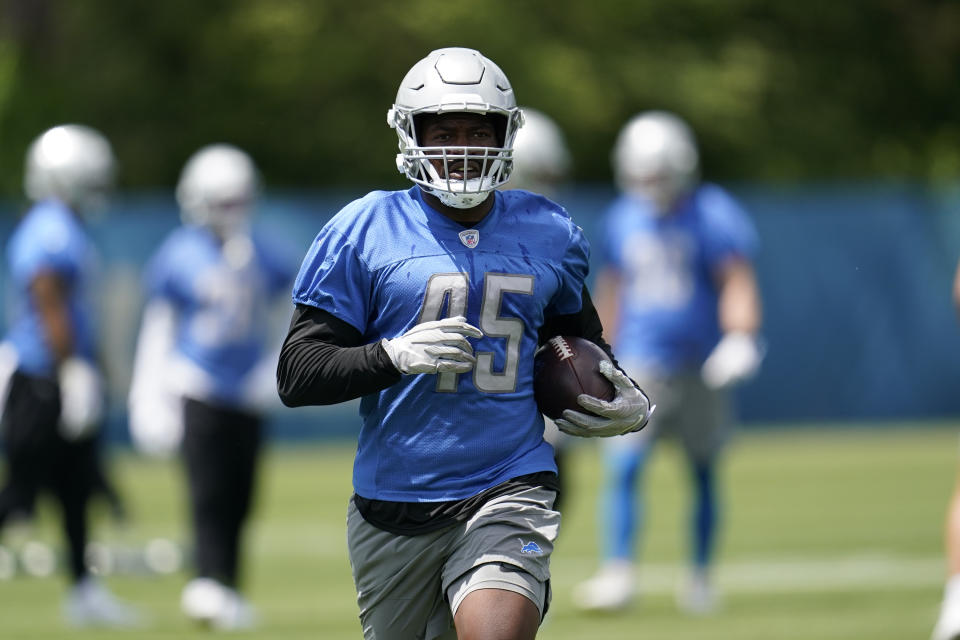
(830, 534)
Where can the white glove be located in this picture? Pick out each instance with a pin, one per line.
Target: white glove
(156, 424)
(81, 398)
(439, 346)
(736, 358)
(629, 411)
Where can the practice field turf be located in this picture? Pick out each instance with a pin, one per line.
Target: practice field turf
(831, 534)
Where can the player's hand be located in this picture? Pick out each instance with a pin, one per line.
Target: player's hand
(156, 423)
(736, 358)
(439, 346)
(629, 411)
(81, 398)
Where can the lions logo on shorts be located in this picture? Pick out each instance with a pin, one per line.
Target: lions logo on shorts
(530, 547)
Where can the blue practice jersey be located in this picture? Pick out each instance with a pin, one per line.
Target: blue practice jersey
(221, 302)
(50, 239)
(668, 297)
(387, 262)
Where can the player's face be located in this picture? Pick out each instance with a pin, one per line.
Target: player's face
(660, 190)
(456, 132)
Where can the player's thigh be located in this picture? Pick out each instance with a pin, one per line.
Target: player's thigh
(398, 580)
(496, 605)
(664, 393)
(705, 423)
(506, 545)
(30, 418)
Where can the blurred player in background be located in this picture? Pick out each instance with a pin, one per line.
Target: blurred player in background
(204, 370)
(541, 158)
(429, 304)
(679, 299)
(51, 383)
(948, 622)
(541, 164)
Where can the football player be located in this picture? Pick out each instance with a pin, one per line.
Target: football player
(428, 303)
(204, 367)
(52, 387)
(541, 158)
(948, 621)
(679, 298)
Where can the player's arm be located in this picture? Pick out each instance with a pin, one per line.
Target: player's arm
(739, 300)
(585, 323)
(49, 294)
(607, 294)
(323, 361)
(81, 390)
(738, 355)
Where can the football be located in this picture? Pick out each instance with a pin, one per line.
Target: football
(564, 368)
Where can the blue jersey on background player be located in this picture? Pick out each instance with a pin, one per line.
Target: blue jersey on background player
(221, 294)
(51, 239)
(667, 263)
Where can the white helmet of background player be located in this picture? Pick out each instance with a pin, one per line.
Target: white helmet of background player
(455, 80)
(72, 163)
(656, 157)
(541, 160)
(218, 189)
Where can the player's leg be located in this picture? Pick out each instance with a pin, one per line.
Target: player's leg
(398, 580)
(620, 519)
(101, 483)
(703, 517)
(28, 434)
(704, 426)
(621, 503)
(243, 433)
(220, 474)
(72, 478)
(72, 483)
(495, 613)
(205, 457)
(497, 579)
(948, 622)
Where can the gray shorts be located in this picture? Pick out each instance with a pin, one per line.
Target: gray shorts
(700, 418)
(409, 587)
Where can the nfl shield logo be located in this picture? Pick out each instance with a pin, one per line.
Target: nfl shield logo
(470, 238)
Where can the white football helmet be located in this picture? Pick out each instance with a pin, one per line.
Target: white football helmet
(455, 80)
(218, 189)
(656, 157)
(541, 160)
(72, 163)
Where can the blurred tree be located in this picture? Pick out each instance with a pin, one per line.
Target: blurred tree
(776, 90)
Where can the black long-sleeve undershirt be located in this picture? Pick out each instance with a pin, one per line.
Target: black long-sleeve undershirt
(324, 361)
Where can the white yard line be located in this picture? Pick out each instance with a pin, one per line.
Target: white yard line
(844, 573)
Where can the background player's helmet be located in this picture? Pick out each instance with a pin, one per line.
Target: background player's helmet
(656, 157)
(541, 159)
(72, 163)
(218, 188)
(455, 80)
